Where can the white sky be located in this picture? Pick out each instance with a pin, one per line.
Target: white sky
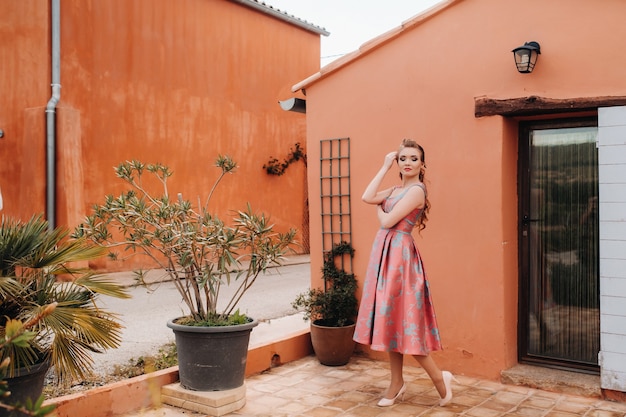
(351, 22)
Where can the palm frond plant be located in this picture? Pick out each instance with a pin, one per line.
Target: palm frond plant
(32, 258)
(198, 251)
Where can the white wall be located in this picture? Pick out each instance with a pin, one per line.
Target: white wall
(612, 205)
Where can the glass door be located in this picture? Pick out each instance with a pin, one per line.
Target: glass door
(559, 254)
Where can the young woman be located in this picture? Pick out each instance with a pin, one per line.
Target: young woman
(396, 314)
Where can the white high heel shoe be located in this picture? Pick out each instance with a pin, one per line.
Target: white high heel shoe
(447, 381)
(386, 402)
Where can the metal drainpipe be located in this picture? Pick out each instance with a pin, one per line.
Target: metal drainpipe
(55, 12)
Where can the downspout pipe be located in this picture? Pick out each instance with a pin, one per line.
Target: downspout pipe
(55, 14)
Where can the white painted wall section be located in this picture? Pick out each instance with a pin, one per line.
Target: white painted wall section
(612, 205)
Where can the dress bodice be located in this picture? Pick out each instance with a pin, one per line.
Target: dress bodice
(407, 224)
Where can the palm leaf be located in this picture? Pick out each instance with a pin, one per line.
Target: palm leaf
(31, 258)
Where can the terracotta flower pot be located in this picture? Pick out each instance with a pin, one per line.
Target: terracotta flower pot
(333, 346)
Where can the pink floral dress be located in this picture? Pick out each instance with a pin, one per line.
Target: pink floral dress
(396, 311)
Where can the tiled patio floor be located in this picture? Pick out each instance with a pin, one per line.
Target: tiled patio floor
(305, 388)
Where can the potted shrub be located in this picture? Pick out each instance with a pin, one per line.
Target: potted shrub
(65, 324)
(332, 309)
(200, 253)
(17, 333)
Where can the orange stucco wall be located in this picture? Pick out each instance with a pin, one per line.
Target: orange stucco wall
(176, 82)
(420, 81)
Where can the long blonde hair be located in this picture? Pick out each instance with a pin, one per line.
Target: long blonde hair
(410, 143)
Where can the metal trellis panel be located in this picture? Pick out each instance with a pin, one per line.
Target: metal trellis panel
(335, 194)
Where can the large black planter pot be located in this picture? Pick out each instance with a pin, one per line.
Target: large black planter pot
(333, 346)
(212, 358)
(27, 383)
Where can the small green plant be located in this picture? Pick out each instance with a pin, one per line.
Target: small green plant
(165, 358)
(276, 167)
(336, 304)
(17, 334)
(198, 250)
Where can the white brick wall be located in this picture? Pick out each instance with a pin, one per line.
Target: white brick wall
(612, 205)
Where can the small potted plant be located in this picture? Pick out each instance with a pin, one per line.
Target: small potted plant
(20, 403)
(46, 321)
(200, 253)
(332, 309)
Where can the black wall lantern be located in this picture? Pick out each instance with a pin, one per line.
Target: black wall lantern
(526, 56)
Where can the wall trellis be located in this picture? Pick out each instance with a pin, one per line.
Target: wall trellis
(335, 194)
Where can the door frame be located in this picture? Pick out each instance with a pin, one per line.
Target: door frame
(523, 181)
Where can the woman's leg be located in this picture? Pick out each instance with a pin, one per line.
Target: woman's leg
(396, 361)
(433, 371)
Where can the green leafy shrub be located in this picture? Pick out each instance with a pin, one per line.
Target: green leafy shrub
(198, 250)
(336, 304)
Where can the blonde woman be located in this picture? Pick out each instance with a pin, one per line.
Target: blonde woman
(396, 314)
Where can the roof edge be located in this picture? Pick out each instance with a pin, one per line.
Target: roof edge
(373, 44)
(279, 14)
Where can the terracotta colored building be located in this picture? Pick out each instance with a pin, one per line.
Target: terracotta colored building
(87, 85)
(526, 243)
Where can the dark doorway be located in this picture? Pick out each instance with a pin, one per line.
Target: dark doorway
(558, 241)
